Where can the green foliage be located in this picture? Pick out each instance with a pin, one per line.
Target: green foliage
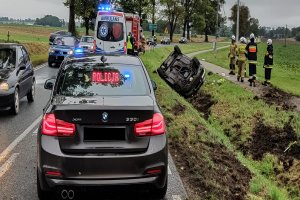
(49, 20)
(298, 37)
(244, 19)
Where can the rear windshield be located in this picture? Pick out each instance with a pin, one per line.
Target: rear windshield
(87, 39)
(95, 80)
(65, 41)
(7, 58)
(110, 31)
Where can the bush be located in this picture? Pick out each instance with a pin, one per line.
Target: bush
(298, 37)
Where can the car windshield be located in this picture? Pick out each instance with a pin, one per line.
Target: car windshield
(65, 41)
(110, 31)
(83, 79)
(7, 58)
(87, 39)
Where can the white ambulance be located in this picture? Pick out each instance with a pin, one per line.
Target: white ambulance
(110, 31)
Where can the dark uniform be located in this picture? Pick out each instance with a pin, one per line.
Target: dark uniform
(252, 60)
(268, 64)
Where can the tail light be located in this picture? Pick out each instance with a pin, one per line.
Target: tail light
(55, 127)
(94, 47)
(151, 127)
(125, 47)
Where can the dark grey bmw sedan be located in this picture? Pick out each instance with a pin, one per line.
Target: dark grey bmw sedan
(101, 127)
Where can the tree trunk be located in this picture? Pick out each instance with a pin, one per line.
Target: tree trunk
(153, 15)
(87, 25)
(206, 34)
(72, 28)
(188, 31)
(184, 28)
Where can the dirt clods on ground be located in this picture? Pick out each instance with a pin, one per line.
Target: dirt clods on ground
(211, 170)
(178, 109)
(273, 96)
(281, 142)
(202, 102)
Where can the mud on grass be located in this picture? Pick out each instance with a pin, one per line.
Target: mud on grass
(202, 102)
(210, 170)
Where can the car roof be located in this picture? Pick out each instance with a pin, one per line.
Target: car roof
(111, 59)
(10, 45)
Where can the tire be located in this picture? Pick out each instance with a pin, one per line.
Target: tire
(31, 93)
(160, 193)
(177, 49)
(15, 107)
(43, 195)
(50, 64)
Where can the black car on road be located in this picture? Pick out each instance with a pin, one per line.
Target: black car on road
(16, 77)
(102, 127)
(58, 33)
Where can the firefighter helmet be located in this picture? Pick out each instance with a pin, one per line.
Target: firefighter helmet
(269, 42)
(252, 36)
(233, 37)
(243, 40)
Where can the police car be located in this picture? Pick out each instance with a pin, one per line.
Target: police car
(110, 30)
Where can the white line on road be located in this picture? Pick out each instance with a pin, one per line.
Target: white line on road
(176, 197)
(35, 132)
(19, 139)
(6, 166)
(40, 67)
(169, 171)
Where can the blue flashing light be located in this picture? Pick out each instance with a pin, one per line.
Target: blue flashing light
(127, 76)
(78, 51)
(104, 7)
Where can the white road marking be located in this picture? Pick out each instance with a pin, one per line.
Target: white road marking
(169, 171)
(34, 133)
(40, 67)
(176, 197)
(6, 166)
(7, 151)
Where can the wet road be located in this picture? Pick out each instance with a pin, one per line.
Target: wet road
(18, 147)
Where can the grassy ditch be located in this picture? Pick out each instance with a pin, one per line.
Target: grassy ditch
(217, 163)
(286, 72)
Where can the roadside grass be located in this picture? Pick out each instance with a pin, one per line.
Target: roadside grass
(189, 132)
(286, 70)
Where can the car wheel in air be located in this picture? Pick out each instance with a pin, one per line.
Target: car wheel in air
(177, 50)
(16, 104)
(31, 93)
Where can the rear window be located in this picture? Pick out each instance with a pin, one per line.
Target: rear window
(65, 41)
(95, 80)
(87, 39)
(110, 31)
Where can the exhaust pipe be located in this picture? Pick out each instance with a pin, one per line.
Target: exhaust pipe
(64, 194)
(67, 194)
(71, 194)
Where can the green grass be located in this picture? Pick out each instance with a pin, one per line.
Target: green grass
(263, 184)
(286, 71)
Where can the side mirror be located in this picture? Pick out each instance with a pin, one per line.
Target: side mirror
(49, 84)
(154, 85)
(22, 67)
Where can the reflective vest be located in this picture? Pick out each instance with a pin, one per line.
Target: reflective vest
(242, 52)
(129, 45)
(252, 52)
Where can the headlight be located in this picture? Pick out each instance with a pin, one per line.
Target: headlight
(70, 52)
(4, 86)
(51, 50)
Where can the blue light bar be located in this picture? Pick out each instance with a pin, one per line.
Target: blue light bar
(104, 7)
(78, 51)
(127, 75)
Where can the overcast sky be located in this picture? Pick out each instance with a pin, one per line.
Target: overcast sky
(269, 12)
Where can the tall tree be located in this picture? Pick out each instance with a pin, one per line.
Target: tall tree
(86, 10)
(71, 5)
(244, 19)
(254, 26)
(173, 10)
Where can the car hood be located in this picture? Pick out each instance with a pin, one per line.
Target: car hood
(62, 47)
(105, 101)
(86, 44)
(5, 74)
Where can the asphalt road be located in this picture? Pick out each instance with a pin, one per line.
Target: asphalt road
(18, 148)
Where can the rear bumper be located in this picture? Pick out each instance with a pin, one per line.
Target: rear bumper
(102, 170)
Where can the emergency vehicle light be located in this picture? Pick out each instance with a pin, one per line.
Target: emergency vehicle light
(78, 51)
(104, 7)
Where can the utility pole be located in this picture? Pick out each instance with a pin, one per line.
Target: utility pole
(217, 25)
(285, 35)
(238, 21)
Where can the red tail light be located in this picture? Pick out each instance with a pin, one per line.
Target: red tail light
(151, 127)
(125, 47)
(53, 173)
(54, 127)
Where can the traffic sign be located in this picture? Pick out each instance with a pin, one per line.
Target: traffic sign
(152, 27)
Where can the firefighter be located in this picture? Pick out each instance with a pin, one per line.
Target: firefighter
(268, 64)
(232, 55)
(241, 53)
(251, 50)
(130, 44)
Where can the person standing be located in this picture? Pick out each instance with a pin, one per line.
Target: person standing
(251, 50)
(231, 55)
(241, 53)
(268, 63)
(130, 44)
